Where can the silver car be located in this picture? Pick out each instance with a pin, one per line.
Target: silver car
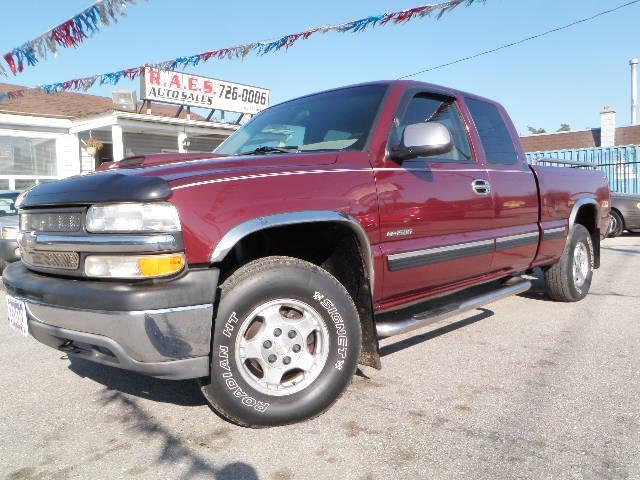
(625, 213)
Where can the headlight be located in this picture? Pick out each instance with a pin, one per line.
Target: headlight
(133, 217)
(9, 233)
(133, 266)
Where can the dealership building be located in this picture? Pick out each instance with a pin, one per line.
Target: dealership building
(44, 137)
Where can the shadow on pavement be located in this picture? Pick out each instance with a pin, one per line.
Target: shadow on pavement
(418, 339)
(177, 449)
(621, 250)
(185, 392)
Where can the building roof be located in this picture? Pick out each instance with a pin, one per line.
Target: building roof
(562, 140)
(72, 105)
(628, 135)
(578, 139)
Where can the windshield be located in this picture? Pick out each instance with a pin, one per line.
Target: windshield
(8, 204)
(336, 120)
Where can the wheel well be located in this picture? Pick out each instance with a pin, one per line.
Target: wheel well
(587, 216)
(330, 245)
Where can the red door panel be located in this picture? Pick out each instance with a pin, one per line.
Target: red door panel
(516, 218)
(433, 226)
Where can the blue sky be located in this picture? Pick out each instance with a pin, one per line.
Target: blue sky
(565, 77)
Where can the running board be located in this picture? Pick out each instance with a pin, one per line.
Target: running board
(391, 328)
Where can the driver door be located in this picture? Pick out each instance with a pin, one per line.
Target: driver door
(434, 213)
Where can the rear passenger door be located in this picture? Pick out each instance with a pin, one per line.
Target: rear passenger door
(513, 187)
(433, 222)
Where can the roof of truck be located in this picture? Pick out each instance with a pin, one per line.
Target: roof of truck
(432, 87)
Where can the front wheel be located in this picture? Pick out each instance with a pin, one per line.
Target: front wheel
(569, 280)
(286, 342)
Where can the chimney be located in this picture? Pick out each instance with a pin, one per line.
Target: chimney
(608, 127)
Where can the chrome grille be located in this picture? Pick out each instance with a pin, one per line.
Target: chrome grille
(61, 260)
(51, 222)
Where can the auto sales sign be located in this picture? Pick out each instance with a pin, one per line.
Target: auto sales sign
(195, 91)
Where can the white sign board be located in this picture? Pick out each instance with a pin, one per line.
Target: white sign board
(195, 91)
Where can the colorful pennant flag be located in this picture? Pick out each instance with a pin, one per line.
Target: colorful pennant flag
(68, 34)
(241, 51)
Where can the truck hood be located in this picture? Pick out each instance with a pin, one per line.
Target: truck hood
(218, 166)
(151, 178)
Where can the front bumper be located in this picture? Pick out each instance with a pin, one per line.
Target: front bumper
(8, 250)
(158, 328)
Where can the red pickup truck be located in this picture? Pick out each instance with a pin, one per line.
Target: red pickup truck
(270, 268)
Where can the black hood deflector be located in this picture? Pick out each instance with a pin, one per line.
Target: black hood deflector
(98, 188)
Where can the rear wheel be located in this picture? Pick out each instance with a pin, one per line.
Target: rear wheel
(285, 343)
(569, 280)
(616, 224)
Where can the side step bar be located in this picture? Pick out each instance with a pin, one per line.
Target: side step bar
(392, 328)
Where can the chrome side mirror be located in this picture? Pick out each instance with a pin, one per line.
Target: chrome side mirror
(423, 140)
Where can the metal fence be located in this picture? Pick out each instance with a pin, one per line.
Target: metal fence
(621, 164)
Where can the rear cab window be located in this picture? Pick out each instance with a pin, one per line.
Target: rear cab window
(494, 134)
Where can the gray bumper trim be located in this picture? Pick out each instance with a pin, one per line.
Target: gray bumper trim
(170, 343)
(92, 348)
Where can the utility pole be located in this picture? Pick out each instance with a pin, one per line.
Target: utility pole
(634, 91)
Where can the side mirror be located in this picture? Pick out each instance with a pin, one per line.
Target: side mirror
(423, 140)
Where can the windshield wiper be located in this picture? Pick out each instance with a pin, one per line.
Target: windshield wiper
(266, 149)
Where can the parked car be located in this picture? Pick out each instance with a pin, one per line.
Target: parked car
(625, 213)
(8, 229)
(269, 272)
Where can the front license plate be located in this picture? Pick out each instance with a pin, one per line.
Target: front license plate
(17, 315)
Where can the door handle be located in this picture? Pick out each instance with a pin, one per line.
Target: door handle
(481, 187)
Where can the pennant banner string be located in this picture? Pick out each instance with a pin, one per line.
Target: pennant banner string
(241, 51)
(70, 33)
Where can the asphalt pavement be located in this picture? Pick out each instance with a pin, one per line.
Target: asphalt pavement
(524, 388)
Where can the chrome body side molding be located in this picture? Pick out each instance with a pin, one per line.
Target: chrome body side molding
(513, 241)
(555, 233)
(418, 258)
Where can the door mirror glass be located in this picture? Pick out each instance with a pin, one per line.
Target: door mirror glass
(423, 140)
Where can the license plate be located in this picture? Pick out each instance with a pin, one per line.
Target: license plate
(17, 315)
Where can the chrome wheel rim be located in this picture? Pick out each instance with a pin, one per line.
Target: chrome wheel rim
(580, 264)
(613, 224)
(281, 347)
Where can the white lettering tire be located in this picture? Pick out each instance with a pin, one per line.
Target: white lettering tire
(286, 341)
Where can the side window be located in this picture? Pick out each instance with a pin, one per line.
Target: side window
(496, 140)
(427, 108)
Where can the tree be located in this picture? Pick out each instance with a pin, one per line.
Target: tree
(564, 127)
(536, 131)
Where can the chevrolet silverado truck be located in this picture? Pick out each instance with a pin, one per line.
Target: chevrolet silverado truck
(270, 268)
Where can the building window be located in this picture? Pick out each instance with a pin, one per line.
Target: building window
(28, 156)
(105, 154)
